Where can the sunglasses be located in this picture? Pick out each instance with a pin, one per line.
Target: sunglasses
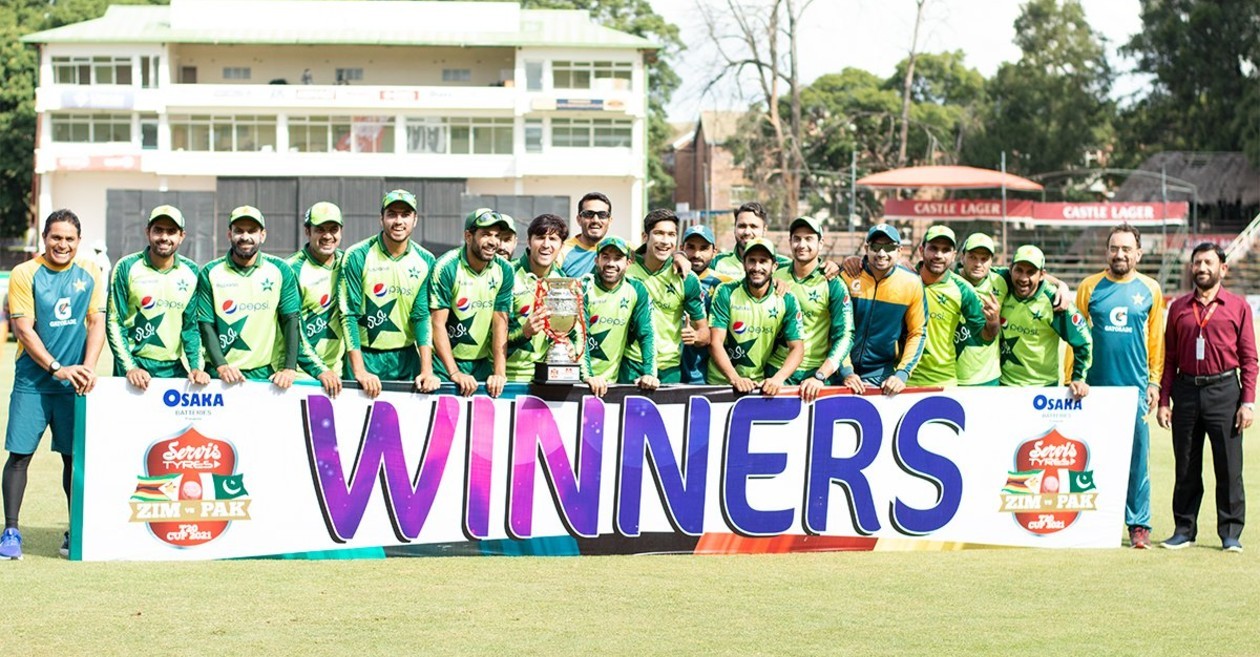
(591, 214)
(883, 248)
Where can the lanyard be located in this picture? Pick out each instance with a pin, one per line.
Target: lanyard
(1194, 305)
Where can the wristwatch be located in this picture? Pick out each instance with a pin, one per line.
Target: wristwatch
(820, 377)
(1251, 406)
(53, 367)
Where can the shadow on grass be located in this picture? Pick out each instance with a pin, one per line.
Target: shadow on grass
(41, 541)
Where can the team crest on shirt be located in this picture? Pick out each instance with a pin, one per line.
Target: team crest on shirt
(190, 491)
(1051, 484)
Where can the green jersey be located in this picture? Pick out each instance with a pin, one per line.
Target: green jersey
(321, 313)
(673, 298)
(826, 318)
(152, 312)
(472, 297)
(243, 304)
(730, 264)
(617, 319)
(754, 328)
(384, 299)
(522, 352)
(955, 318)
(1031, 330)
(980, 363)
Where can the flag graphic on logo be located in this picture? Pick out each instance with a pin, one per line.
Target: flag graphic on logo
(190, 492)
(1049, 486)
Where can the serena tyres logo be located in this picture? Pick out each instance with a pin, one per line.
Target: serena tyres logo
(1051, 484)
(190, 491)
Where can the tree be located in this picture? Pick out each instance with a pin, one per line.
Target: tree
(750, 38)
(1052, 106)
(908, 80)
(1204, 56)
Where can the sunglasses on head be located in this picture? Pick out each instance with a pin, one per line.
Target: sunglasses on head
(591, 214)
(888, 247)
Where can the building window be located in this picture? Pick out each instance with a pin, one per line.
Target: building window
(533, 135)
(92, 70)
(533, 76)
(236, 73)
(591, 133)
(149, 71)
(460, 136)
(456, 75)
(591, 75)
(347, 134)
(348, 75)
(91, 128)
(223, 134)
(148, 131)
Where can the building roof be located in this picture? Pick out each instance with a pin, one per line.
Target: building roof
(681, 133)
(719, 126)
(1218, 177)
(344, 22)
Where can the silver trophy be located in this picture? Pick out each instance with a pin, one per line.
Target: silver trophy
(562, 297)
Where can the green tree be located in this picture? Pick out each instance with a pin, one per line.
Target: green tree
(1204, 56)
(1052, 106)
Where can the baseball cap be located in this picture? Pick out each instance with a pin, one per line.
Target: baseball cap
(885, 230)
(1031, 255)
(170, 212)
(759, 243)
(400, 195)
(615, 242)
(703, 231)
(322, 213)
(809, 222)
(484, 218)
(979, 241)
(247, 212)
(939, 231)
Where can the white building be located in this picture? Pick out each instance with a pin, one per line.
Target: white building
(279, 103)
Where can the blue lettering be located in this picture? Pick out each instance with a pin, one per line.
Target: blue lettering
(933, 468)
(740, 465)
(173, 398)
(681, 486)
(824, 469)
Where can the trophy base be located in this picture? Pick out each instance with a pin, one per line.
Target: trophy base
(562, 373)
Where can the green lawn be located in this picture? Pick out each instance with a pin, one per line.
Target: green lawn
(1198, 601)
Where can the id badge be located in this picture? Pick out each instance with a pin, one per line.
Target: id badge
(1200, 348)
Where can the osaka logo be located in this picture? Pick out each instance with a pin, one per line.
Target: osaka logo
(229, 307)
(463, 304)
(738, 328)
(1050, 485)
(190, 492)
(379, 290)
(148, 303)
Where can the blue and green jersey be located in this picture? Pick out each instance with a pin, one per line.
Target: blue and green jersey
(58, 301)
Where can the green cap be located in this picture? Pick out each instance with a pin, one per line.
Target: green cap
(400, 195)
(809, 222)
(170, 212)
(1031, 255)
(614, 242)
(979, 241)
(322, 213)
(485, 218)
(247, 212)
(759, 243)
(939, 231)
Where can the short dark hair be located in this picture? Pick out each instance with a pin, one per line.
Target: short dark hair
(1126, 228)
(657, 216)
(61, 215)
(595, 196)
(548, 223)
(755, 208)
(1208, 246)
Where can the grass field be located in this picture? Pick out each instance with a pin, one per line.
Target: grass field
(1198, 601)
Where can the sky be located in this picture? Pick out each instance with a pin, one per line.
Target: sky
(875, 34)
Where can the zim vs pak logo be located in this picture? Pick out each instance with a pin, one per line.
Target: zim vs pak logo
(1050, 485)
(190, 491)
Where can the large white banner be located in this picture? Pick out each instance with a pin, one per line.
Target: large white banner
(185, 472)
